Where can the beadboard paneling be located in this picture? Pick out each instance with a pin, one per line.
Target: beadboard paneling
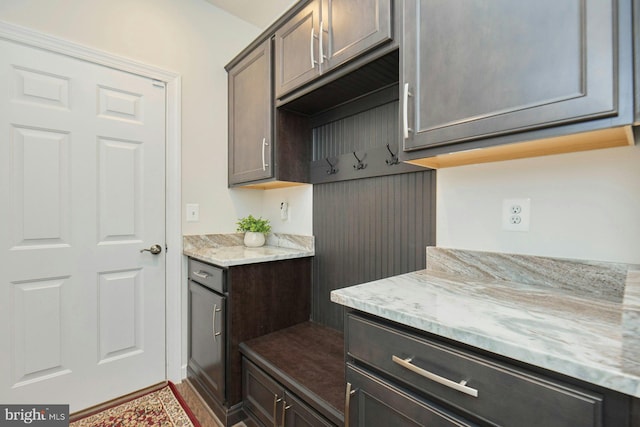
(367, 229)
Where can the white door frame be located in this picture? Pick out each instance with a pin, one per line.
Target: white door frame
(173, 231)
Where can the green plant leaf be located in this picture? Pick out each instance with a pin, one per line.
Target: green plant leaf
(250, 223)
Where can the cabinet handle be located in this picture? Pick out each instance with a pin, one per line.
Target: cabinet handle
(347, 403)
(215, 310)
(284, 410)
(276, 400)
(313, 59)
(201, 274)
(405, 111)
(461, 386)
(321, 42)
(264, 163)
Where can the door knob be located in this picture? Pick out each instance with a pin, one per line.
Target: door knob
(155, 249)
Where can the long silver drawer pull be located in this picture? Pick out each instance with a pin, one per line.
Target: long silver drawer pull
(201, 274)
(347, 404)
(461, 386)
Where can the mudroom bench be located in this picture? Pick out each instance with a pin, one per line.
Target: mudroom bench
(295, 373)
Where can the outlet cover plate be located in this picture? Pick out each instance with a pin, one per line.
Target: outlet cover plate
(516, 214)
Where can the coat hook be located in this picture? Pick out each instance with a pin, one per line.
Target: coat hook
(332, 169)
(394, 158)
(360, 165)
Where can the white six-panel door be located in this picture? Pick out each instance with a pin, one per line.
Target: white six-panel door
(82, 310)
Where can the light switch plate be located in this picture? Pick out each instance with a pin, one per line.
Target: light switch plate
(193, 212)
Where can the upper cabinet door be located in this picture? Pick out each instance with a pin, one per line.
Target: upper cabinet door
(250, 117)
(297, 49)
(351, 27)
(479, 68)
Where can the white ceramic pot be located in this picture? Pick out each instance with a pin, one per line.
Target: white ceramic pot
(253, 239)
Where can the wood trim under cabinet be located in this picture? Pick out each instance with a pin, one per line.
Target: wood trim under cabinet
(605, 138)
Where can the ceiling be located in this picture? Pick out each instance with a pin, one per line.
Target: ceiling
(260, 13)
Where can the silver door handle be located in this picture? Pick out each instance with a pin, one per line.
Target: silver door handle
(215, 310)
(405, 111)
(284, 410)
(347, 404)
(313, 61)
(276, 400)
(461, 386)
(321, 42)
(155, 249)
(264, 163)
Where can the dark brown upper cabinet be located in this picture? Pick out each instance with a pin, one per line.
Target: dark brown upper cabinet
(251, 117)
(477, 71)
(268, 148)
(325, 34)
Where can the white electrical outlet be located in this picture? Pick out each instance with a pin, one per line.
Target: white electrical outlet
(284, 211)
(193, 212)
(516, 214)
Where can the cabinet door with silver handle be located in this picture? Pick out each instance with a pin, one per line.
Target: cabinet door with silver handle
(207, 338)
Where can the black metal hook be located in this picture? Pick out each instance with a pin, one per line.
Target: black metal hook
(394, 158)
(360, 164)
(332, 169)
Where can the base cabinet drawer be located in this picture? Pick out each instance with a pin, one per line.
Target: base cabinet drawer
(483, 389)
(262, 396)
(375, 402)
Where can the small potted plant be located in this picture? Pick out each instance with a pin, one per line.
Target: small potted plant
(254, 230)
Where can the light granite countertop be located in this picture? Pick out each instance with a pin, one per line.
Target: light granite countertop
(226, 250)
(577, 318)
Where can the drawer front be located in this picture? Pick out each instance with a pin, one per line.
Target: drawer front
(375, 402)
(262, 396)
(207, 275)
(505, 395)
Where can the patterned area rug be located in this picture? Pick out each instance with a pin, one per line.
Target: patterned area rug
(162, 407)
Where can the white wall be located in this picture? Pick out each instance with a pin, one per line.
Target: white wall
(583, 205)
(190, 37)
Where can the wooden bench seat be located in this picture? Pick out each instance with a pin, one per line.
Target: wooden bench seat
(307, 359)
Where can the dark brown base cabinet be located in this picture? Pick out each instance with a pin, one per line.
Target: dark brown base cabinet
(270, 404)
(403, 377)
(250, 301)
